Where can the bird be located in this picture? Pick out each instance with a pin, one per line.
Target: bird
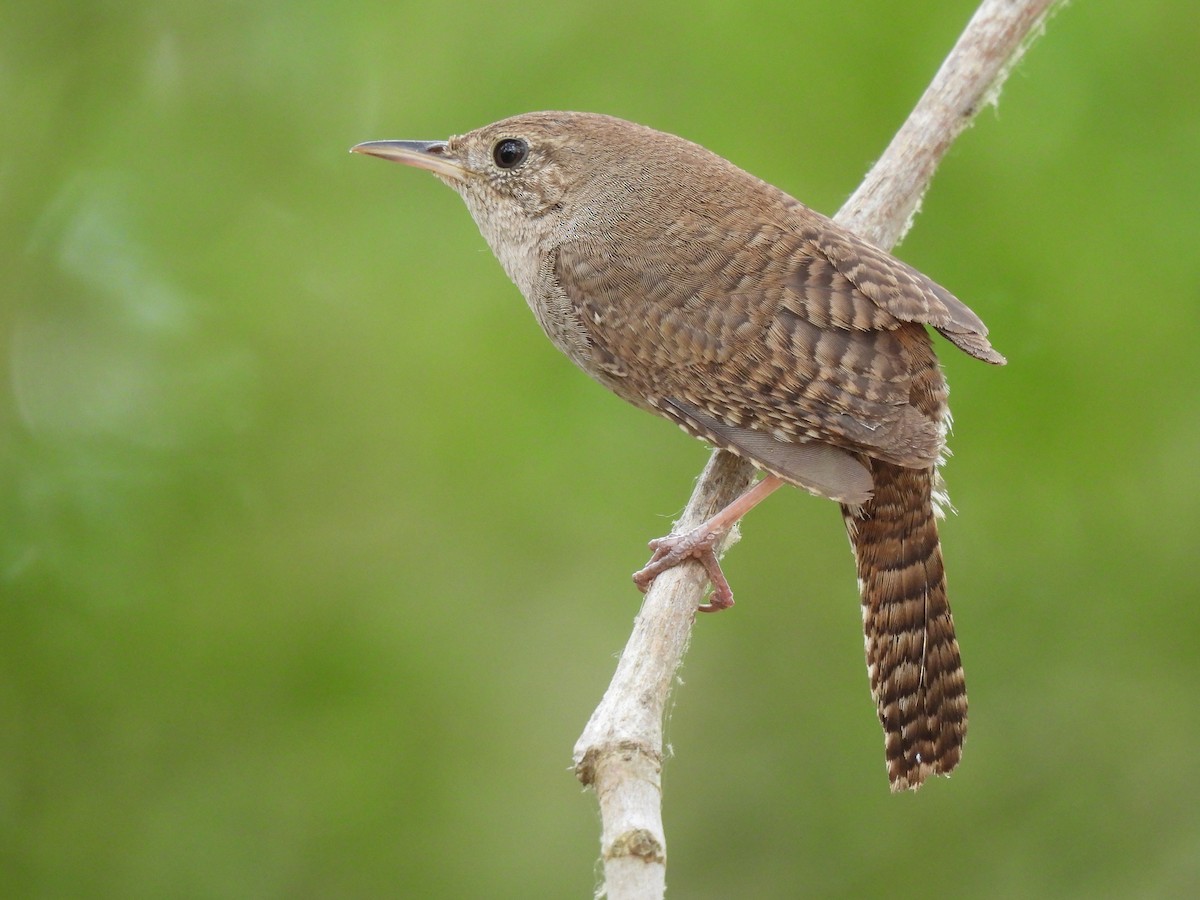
(701, 293)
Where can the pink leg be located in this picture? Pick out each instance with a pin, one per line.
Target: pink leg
(698, 544)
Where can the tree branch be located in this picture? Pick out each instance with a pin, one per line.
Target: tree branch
(620, 751)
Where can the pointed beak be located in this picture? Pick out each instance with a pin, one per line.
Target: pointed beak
(434, 156)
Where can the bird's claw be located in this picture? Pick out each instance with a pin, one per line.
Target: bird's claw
(674, 549)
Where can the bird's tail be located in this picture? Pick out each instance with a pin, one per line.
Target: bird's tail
(912, 655)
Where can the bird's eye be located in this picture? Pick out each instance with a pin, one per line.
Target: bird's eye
(510, 152)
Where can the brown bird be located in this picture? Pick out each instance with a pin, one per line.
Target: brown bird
(704, 295)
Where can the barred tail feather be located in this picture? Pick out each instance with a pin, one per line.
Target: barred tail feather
(912, 655)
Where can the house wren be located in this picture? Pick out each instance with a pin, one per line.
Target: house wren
(704, 295)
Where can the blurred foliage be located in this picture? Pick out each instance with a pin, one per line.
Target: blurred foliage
(315, 554)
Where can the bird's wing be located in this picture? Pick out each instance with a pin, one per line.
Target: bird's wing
(897, 288)
(792, 350)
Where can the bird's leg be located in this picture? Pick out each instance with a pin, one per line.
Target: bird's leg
(700, 543)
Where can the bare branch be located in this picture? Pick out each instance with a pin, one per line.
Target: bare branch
(620, 751)
(887, 201)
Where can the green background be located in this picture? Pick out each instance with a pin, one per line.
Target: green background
(315, 555)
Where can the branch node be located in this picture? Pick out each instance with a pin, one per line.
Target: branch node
(637, 844)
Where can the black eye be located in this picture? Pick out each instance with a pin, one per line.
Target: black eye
(510, 152)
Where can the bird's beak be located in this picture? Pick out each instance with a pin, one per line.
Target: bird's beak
(434, 156)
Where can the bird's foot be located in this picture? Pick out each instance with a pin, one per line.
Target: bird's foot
(697, 544)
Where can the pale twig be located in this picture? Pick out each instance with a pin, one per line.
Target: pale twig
(620, 752)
